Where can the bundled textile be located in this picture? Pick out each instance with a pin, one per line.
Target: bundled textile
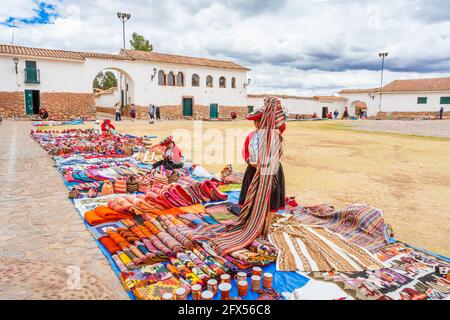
(253, 220)
(360, 224)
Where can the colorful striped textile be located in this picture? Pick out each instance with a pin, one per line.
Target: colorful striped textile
(253, 220)
(359, 224)
(308, 249)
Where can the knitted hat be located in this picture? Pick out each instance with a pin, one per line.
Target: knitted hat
(166, 141)
(255, 115)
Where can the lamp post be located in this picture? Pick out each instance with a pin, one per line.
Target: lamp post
(382, 55)
(16, 62)
(124, 17)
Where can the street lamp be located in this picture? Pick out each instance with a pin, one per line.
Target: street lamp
(382, 55)
(16, 62)
(124, 17)
(154, 73)
(248, 83)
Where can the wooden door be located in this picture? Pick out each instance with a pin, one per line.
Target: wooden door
(187, 107)
(213, 110)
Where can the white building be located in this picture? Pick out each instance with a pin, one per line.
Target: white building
(62, 81)
(401, 99)
(302, 107)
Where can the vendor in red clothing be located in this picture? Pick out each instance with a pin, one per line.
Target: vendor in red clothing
(250, 153)
(171, 157)
(107, 126)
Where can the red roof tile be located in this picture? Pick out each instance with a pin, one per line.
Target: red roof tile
(176, 59)
(435, 84)
(124, 55)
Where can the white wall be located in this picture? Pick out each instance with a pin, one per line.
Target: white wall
(108, 99)
(407, 102)
(298, 106)
(398, 102)
(77, 77)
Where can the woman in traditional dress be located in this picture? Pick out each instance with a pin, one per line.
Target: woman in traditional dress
(171, 156)
(250, 153)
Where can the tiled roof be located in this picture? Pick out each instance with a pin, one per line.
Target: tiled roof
(330, 98)
(436, 84)
(414, 85)
(176, 59)
(318, 98)
(261, 95)
(124, 55)
(57, 54)
(358, 91)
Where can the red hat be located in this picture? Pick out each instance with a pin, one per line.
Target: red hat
(166, 141)
(255, 115)
(106, 120)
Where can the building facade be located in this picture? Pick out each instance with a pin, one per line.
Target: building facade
(302, 107)
(402, 99)
(62, 82)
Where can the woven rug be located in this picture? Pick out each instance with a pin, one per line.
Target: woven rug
(412, 275)
(359, 224)
(302, 248)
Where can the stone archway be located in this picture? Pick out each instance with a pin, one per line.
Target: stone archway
(357, 107)
(122, 93)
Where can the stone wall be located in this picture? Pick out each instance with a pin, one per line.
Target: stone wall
(60, 106)
(224, 111)
(409, 115)
(300, 116)
(67, 106)
(169, 112)
(12, 104)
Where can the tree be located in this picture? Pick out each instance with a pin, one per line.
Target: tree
(105, 80)
(138, 42)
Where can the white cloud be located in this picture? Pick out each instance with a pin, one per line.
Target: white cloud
(295, 47)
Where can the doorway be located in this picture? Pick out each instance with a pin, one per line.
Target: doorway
(32, 101)
(324, 112)
(213, 111)
(250, 109)
(187, 107)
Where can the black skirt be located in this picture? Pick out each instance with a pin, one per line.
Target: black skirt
(278, 195)
(168, 164)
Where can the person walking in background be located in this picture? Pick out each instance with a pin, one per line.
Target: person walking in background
(118, 114)
(133, 112)
(158, 113)
(151, 113)
(336, 114)
(441, 113)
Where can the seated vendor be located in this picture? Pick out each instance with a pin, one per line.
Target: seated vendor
(107, 126)
(171, 155)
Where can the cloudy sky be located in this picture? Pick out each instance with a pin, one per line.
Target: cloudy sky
(293, 47)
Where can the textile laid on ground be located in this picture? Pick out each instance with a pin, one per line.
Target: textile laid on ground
(359, 224)
(158, 238)
(318, 290)
(413, 275)
(303, 248)
(252, 221)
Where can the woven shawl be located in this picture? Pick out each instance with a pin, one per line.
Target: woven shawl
(253, 222)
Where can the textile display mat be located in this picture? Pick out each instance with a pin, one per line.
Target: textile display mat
(157, 238)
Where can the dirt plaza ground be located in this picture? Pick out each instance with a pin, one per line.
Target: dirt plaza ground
(335, 162)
